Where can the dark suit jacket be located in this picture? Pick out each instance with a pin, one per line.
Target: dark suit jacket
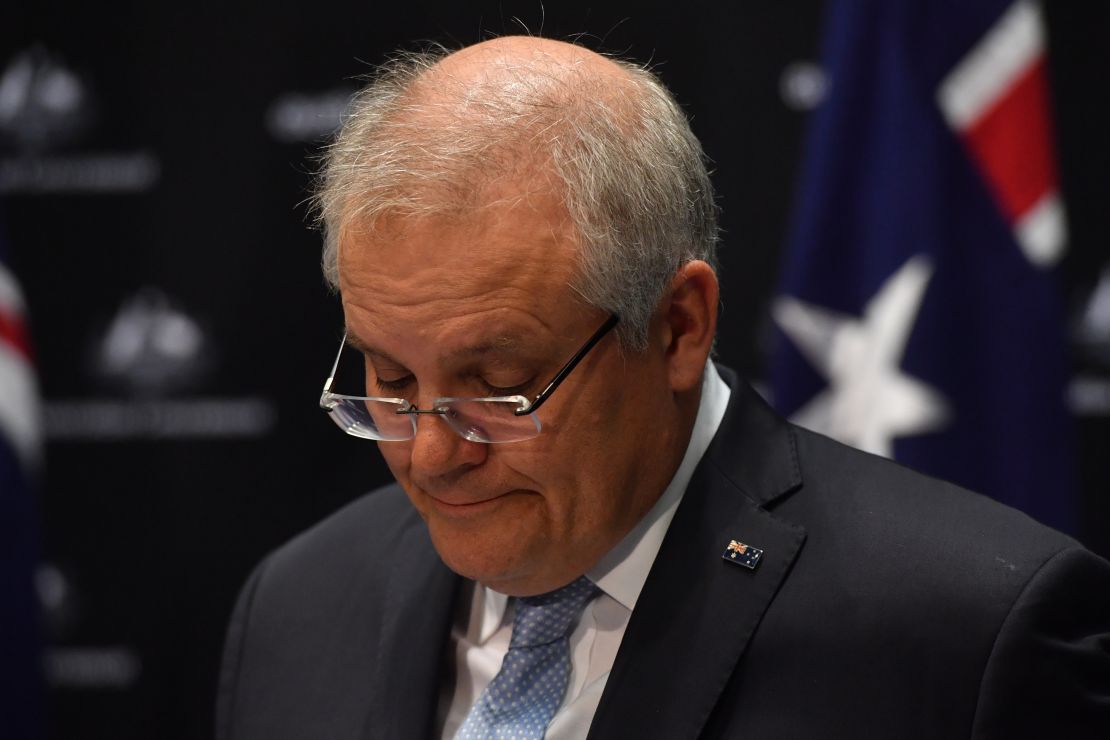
(887, 605)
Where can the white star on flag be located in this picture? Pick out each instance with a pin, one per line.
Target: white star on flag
(869, 400)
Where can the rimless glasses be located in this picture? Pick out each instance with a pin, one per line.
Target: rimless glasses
(491, 420)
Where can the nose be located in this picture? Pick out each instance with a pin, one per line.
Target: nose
(439, 454)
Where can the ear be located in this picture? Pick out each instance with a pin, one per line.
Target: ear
(689, 314)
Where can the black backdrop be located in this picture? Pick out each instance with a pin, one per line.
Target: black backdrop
(153, 165)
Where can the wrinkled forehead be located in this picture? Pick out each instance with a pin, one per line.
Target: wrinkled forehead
(514, 254)
(490, 222)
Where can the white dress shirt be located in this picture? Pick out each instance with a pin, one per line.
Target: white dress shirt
(483, 626)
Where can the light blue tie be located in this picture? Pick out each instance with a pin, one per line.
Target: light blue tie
(523, 696)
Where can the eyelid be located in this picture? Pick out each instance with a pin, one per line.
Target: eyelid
(395, 386)
(386, 366)
(513, 390)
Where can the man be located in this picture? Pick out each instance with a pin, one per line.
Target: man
(522, 234)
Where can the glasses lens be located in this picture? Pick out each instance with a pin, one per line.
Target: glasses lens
(482, 420)
(371, 419)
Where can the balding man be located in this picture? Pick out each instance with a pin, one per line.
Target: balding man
(595, 531)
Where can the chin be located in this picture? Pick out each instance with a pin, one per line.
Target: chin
(492, 555)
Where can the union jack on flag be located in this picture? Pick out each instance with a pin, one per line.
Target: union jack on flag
(21, 699)
(19, 419)
(918, 314)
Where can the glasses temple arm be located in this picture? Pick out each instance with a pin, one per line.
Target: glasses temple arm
(612, 321)
(334, 365)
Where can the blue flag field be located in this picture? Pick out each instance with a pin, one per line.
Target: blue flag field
(918, 315)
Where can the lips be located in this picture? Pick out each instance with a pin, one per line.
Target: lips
(461, 504)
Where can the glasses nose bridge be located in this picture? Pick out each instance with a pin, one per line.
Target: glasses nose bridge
(436, 408)
(420, 412)
(438, 447)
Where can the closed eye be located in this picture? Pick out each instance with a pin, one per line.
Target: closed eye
(394, 386)
(516, 390)
(400, 385)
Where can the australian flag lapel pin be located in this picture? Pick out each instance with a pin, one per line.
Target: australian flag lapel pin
(741, 554)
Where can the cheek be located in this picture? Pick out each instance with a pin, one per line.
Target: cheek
(572, 470)
(619, 445)
(572, 459)
(397, 456)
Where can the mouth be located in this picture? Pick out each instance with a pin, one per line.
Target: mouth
(462, 505)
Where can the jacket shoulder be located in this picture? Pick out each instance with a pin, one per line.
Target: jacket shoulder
(876, 499)
(347, 553)
(950, 606)
(364, 531)
(305, 630)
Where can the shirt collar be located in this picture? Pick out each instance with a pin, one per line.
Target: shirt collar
(493, 605)
(622, 571)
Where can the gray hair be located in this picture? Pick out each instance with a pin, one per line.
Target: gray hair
(631, 173)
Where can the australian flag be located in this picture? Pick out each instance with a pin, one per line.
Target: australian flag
(21, 697)
(919, 314)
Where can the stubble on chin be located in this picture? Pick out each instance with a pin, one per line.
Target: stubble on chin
(504, 552)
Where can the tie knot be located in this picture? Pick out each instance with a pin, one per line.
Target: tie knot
(547, 617)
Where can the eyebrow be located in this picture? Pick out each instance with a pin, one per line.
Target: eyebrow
(497, 345)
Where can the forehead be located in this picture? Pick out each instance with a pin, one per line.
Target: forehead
(497, 270)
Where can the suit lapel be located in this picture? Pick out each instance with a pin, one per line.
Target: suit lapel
(697, 612)
(416, 622)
